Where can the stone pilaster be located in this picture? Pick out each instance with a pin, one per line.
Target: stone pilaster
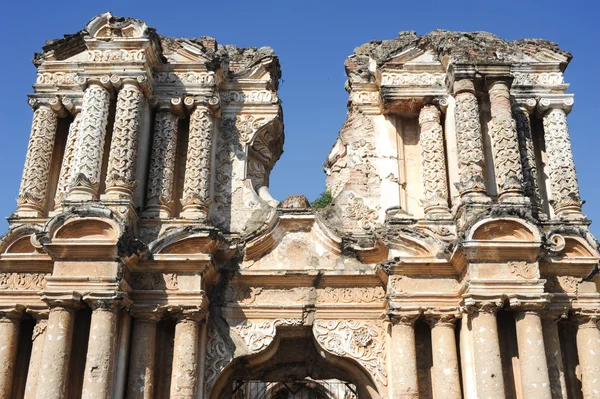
(404, 379)
(521, 112)
(66, 167)
(535, 380)
(554, 358)
(503, 130)
(143, 355)
(102, 349)
(122, 160)
(435, 180)
(588, 350)
(471, 159)
(162, 163)
(196, 186)
(184, 378)
(54, 370)
(566, 199)
(89, 148)
(445, 376)
(10, 322)
(34, 183)
(37, 349)
(489, 379)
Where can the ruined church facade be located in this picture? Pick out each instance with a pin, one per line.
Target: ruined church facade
(146, 257)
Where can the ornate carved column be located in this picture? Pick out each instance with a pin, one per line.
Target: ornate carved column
(535, 382)
(142, 360)
(53, 373)
(100, 361)
(435, 180)
(521, 109)
(558, 384)
(486, 348)
(32, 194)
(566, 199)
(404, 380)
(588, 350)
(89, 148)
(66, 167)
(122, 160)
(10, 322)
(184, 384)
(445, 377)
(471, 160)
(196, 187)
(162, 163)
(503, 130)
(37, 350)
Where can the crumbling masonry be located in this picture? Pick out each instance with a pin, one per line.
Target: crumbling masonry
(147, 259)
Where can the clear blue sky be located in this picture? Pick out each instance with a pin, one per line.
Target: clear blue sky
(312, 40)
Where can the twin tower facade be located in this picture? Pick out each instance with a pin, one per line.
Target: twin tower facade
(146, 257)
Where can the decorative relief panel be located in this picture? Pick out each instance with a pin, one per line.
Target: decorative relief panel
(242, 294)
(255, 97)
(39, 155)
(124, 144)
(259, 335)
(563, 177)
(116, 56)
(66, 168)
(245, 126)
(523, 269)
(56, 78)
(196, 187)
(362, 341)
(530, 79)
(357, 210)
(162, 163)
(154, 281)
(412, 79)
(90, 139)
(23, 281)
(203, 78)
(219, 354)
(471, 161)
(351, 294)
(365, 97)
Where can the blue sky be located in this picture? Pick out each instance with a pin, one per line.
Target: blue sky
(312, 40)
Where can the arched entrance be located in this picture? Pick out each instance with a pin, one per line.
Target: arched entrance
(294, 366)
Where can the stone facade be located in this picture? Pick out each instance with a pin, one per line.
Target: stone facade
(147, 259)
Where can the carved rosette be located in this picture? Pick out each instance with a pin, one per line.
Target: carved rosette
(527, 152)
(360, 212)
(435, 189)
(563, 177)
(66, 168)
(122, 161)
(471, 161)
(503, 130)
(363, 341)
(32, 194)
(196, 186)
(162, 162)
(89, 148)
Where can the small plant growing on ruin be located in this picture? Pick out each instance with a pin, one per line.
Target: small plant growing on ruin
(324, 199)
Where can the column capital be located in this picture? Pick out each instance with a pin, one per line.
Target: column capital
(441, 319)
(404, 317)
(11, 313)
(209, 102)
(464, 86)
(488, 305)
(551, 102)
(187, 313)
(587, 319)
(152, 314)
(111, 303)
(529, 304)
(174, 105)
(527, 104)
(62, 300)
(503, 79)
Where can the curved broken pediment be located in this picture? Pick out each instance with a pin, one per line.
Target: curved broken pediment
(88, 228)
(109, 26)
(503, 230)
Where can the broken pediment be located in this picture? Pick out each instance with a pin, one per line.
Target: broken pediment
(108, 26)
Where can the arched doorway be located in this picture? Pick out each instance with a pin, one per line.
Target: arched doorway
(294, 367)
